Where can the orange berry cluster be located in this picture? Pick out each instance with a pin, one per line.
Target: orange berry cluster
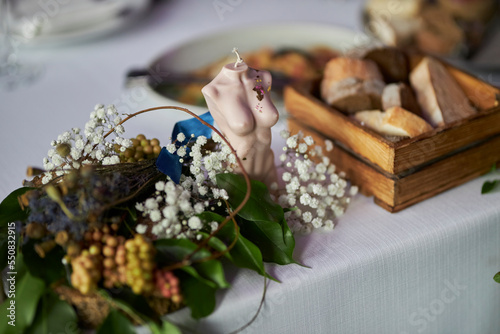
(114, 261)
(168, 285)
(140, 264)
(86, 271)
(117, 261)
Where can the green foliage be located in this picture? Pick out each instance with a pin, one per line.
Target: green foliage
(199, 297)
(260, 234)
(53, 316)
(165, 328)
(260, 206)
(244, 253)
(10, 210)
(497, 277)
(211, 271)
(261, 220)
(126, 298)
(489, 186)
(275, 245)
(28, 292)
(116, 322)
(50, 268)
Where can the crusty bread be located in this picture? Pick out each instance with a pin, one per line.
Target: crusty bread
(395, 121)
(340, 68)
(400, 95)
(351, 95)
(440, 97)
(392, 63)
(351, 84)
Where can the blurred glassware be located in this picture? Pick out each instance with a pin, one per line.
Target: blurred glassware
(55, 22)
(13, 71)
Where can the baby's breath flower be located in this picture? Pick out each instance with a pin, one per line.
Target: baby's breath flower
(307, 216)
(284, 134)
(201, 140)
(141, 228)
(46, 179)
(155, 215)
(353, 191)
(160, 185)
(317, 222)
(328, 145)
(311, 186)
(171, 148)
(329, 225)
(181, 151)
(291, 142)
(181, 137)
(194, 223)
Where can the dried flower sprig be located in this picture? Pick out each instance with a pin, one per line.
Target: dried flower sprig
(311, 185)
(71, 149)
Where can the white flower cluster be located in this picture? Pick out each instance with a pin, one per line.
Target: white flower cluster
(207, 164)
(72, 149)
(174, 209)
(311, 186)
(171, 211)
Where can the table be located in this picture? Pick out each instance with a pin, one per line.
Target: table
(427, 269)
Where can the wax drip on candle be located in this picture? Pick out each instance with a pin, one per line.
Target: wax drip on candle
(239, 60)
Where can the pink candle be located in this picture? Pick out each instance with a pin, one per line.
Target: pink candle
(238, 99)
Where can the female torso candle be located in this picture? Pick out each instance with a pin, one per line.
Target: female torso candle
(238, 99)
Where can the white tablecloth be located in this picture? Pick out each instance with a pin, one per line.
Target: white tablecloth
(427, 269)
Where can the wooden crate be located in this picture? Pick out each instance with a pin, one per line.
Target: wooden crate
(401, 173)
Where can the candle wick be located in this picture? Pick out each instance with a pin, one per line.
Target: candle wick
(239, 60)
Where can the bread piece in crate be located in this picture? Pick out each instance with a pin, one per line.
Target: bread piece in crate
(351, 84)
(395, 121)
(440, 97)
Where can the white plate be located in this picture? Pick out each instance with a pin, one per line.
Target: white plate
(53, 23)
(207, 49)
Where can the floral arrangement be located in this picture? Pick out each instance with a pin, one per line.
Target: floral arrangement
(117, 232)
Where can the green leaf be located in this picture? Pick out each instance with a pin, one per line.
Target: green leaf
(175, 250)
(138, 303)
(193, 272)
(50, 268)
(25, 296)
(54, 316)
(489, 186)
(10, 210)
(497, 277)
(116, 322)
(259, 207)
(165, 328)
(274, 240)
(199, 297)
(244, 253)
(217, 244)
(288, 237)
